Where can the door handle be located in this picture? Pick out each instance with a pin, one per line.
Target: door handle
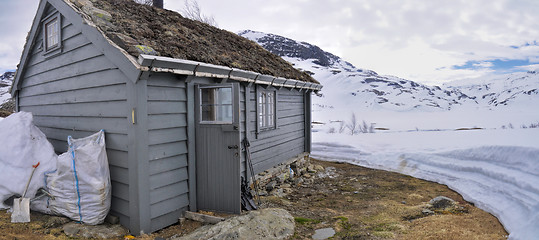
(233, 147)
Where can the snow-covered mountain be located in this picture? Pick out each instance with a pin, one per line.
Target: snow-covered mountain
(6, 79)
(366, 89)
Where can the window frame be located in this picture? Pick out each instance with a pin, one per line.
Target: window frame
(201, 105)
(56, 48)
(264, 126)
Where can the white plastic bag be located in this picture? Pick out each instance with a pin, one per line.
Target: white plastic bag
(22, 145)
(81, 183)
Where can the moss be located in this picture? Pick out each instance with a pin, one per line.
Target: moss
(302, 220)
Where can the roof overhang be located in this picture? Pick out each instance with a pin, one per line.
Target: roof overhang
(192, 68)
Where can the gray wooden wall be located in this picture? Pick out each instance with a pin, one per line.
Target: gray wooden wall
(167, 140)
(77, 93)
(271, 147)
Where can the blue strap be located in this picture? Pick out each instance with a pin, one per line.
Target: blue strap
(72, 150)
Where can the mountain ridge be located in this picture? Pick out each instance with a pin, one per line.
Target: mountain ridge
(366, 89)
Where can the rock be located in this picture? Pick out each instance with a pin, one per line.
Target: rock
(323, 233)
(298, 181)
(143, 49)
(122, 40)
(278, 192)
(103, 231)
(269, 223)
(427, 212)
(318, 168)
(55, 221)
(306, 175)
(442, 202)
(310, 169)
(270, 186)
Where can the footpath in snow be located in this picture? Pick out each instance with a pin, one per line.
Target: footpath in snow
(497, 170)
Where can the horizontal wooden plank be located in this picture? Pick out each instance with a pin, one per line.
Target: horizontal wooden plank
(166, 80)
(267, 142)
(167, 178)
(109, 124)
(68, 31)
(276, 149)
(167, 192)
(96, 94)
(97, 109)
(59, 146)
(73, 49)
(112, 140)
(169, 205)
(120, 190)
(166, 94)
(166, 164)
(89, 80)
(119, 174)
(286, 106)
(117, 158)
(120, 206)
(161, 121)
(163, 107)
(160, 136)
(166, 220)
(274, 160)
(166, 150)
(70, 70)
(288, 120)
(290, 113)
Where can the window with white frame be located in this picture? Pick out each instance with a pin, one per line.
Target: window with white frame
(52, 33)
(216, 105)
(266, 109)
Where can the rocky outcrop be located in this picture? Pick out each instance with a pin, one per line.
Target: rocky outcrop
(269, 223)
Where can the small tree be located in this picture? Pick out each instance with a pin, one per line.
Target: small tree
(193, 12)
(353, 124)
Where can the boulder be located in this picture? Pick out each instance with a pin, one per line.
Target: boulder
(269, 223)
(442, 202)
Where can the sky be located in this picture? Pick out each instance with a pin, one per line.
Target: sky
(428, 41)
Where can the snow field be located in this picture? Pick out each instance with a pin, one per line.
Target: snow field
(497, 170)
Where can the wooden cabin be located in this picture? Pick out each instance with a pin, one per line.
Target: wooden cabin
(175, 97)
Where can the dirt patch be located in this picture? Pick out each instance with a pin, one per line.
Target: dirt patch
(357, 202)
(362, 203)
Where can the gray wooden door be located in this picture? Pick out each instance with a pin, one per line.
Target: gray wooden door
(218, 148)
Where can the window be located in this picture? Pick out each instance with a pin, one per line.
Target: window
(52, 33)
(266, 109)
(51, 30)
(216, 105)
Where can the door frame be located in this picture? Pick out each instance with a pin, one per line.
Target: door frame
(227, 127)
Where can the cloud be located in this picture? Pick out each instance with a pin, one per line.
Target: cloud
(15, 19)
(415, 39)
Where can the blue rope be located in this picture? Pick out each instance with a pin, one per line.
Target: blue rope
(72, 149)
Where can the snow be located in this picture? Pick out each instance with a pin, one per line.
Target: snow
(495, 166)
(497, 170)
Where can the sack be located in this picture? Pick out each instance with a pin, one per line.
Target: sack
(22, 145)
(81, 183)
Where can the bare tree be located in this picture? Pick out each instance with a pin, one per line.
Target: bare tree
(353, 124)
(193, 12)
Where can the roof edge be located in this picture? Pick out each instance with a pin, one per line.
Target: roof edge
(193, 68)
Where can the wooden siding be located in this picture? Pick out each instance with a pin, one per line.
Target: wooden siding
(79, 92)
(167, 150)
(271, 147)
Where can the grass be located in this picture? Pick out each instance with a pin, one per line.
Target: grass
(302, 220)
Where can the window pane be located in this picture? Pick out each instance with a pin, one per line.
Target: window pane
(52, 29)
(216, 104)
